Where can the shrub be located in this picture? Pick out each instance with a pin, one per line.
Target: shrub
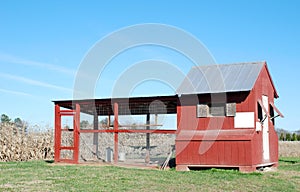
(294, 137)
(281, 137)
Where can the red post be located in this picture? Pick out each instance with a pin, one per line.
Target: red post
(57, 141)
(116, 136)
(76, 124)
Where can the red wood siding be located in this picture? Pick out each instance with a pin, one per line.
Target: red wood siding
(235, 150)
(264, 86)
(226, 153)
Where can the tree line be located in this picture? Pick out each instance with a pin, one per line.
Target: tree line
(284, 135)
(289, 137)
(18, 122)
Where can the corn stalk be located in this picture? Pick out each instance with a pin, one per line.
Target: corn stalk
(18, 145)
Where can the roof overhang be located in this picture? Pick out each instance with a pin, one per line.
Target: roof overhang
(126, 106)
(268, 72)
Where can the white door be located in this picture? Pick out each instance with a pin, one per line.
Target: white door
(266, 150)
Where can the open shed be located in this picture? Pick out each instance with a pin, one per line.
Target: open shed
(112, 108)
(225, 118)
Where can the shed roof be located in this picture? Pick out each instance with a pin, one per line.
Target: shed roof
(221, 78)
(127, 106)
(200, 80)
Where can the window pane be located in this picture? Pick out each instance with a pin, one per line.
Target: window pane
(272, 114)
(202, 110)
(259, 112)
(230, 109)
(217, 110)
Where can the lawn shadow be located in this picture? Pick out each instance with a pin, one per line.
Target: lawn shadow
(289, 161)
(49, 161)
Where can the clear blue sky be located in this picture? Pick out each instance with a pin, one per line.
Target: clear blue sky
(43, 42)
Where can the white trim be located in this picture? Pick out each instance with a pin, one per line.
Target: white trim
(265, 137)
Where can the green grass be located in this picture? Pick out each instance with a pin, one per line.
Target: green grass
(42, 176)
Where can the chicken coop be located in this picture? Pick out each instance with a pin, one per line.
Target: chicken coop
(110, 140)
(225, 117)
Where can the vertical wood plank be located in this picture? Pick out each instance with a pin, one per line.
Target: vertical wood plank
(57, 141)
(221, 153)
(76, 125)
(116, 133)
(241, 152)
(234, 152)
(227, 158)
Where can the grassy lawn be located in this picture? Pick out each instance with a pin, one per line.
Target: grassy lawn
(42, 176)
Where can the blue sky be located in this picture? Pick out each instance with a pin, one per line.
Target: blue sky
(43, 42)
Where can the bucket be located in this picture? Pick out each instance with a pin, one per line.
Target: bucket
(121, 156)
(109, 155)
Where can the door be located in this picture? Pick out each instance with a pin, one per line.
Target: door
(74, 129)
(266, 149)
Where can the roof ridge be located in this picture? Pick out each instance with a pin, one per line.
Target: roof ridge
(226, 64)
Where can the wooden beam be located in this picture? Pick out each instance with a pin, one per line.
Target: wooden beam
(148, 134)
(76, 124)
(96, 139)
(142, 125)
(108, 121)
(169, 131)
(116, 136)
(147, 158)
(57, 141)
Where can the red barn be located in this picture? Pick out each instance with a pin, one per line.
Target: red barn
(226, 118)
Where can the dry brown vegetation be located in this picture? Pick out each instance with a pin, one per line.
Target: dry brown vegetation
(16, 144)
(289, 148)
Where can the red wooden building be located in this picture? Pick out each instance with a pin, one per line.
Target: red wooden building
(225, 118)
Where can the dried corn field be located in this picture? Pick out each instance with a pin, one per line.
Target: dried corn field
(289, 148)
(18, 144)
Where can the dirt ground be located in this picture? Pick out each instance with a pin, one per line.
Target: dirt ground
(289, 148)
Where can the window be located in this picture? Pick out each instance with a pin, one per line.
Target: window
(202, 110)
(259, 112)
(216, 110)
(230, 109)
(272, 114)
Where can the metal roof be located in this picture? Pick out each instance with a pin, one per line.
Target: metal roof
(221, 78)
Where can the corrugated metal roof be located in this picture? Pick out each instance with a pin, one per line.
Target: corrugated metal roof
(221, 78)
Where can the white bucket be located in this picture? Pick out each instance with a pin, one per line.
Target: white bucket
(121, 156)
(109, 155)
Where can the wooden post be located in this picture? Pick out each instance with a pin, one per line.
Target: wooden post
(57, 141)
(116, 136)
(148, 134)
(76, 124)
(147, 158)
(96, 139)
(108, 122)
